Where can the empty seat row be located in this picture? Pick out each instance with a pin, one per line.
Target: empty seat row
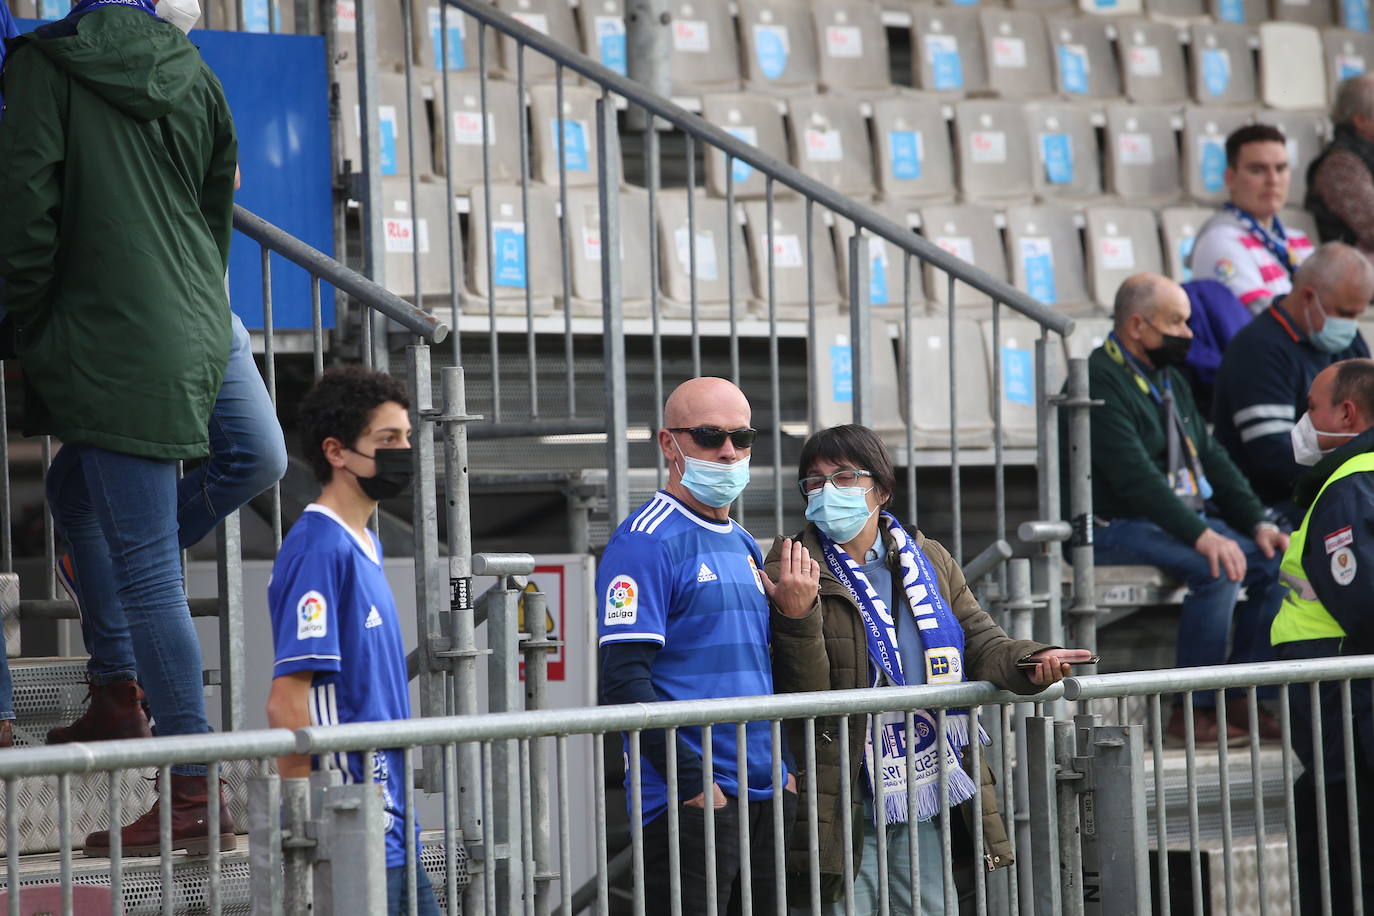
(998, 150)
(1352, 14)
(792, 46)
(990, 366)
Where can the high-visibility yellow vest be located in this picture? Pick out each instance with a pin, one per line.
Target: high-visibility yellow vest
(1302, 616)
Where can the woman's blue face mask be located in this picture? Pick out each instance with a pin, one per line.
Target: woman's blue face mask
(840, 512)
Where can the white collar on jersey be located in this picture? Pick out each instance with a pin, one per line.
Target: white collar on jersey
(368, 546)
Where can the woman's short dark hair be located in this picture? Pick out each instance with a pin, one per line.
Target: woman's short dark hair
(339, 407)
(850, 446)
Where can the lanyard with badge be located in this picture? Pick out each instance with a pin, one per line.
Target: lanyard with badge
(1185, 473)
(1278, 247)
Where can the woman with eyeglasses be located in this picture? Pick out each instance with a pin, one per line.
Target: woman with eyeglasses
(858, 601)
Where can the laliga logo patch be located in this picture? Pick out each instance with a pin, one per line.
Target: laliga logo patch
(1343, 566)
(312, 621)
(943, 666)
(758, 576)
(622, 601)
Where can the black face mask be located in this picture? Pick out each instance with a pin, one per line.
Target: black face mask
(393, 473)
(1172, 352)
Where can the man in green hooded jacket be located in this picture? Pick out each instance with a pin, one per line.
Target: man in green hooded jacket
(116, 206)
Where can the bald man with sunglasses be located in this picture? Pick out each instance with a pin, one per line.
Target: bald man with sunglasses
(685, 617)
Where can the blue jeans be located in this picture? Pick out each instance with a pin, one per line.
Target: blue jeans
(929, 860)
(1210, 607)
(247, 455)
(425, 904)
(123, 508)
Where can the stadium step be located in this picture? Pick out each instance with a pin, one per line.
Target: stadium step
(40, 875)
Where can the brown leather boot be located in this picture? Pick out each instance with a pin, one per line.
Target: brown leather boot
(115, 711)
(6, 733)
(1238, 714)
(1205, 729)
(190, 830)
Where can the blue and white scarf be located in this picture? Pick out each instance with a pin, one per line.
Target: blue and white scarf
(942, 639)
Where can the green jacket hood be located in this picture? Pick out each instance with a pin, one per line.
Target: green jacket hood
(141, 65)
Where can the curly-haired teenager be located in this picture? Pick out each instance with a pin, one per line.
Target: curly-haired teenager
(339, 652)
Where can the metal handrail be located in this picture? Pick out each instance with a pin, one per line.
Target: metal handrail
(698, 127)
(243, 745)
(321, 265)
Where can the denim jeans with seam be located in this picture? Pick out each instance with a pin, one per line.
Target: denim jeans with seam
(1205, 631)
(247, 455)
(397, 895)
(125, 506)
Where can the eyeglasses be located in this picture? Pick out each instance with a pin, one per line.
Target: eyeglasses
(714, 436)
(846, 478)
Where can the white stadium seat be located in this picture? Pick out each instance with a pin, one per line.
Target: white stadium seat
(1292, 67)
(758, 121)
(1120, 241)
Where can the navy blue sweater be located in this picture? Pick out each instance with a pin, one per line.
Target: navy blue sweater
(1261, 391)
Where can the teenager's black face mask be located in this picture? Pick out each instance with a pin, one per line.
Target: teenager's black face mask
(393, 473)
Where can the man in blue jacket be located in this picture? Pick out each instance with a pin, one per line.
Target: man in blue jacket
(1261, 387)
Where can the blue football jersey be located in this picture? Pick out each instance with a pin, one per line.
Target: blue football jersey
(333, 613)
(690, 584)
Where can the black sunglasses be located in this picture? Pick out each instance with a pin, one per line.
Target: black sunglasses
(714, 436)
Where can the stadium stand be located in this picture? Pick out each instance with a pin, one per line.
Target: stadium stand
(467, 131)
(830, 143)
(584, 253)
(705, 55)
(602, 24)
(524, 251)
(791, 279)
(1179, 227)
(993, 150)
(778, 46)
(1142, 154)
(1119, 242)
(443, 38)
(756, 120)
(424, 228)
(576, 126)
(1222, 64)
(914, 158)
(930, 361)
(1018, 53)
(1047, 256)
(968, 232)
(1152, 63)
(1291, 67)
(551, 17)
(712, 289)
(851, 49)
(396, 131)
(947, 50)
(1067, 162)
(887, 273)
(1084, 63)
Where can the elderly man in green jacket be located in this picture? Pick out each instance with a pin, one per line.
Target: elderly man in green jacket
(116, 206)
(1166, 494)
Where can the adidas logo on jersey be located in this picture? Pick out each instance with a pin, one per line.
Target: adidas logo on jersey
(705, 575)
(374, 619)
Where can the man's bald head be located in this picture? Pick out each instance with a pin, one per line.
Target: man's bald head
(1144, 295)
(697, 401)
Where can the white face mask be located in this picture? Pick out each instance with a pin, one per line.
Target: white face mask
(1306, 450)
(181, 13)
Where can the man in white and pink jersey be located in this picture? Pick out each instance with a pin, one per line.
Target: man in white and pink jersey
(1245, 245)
